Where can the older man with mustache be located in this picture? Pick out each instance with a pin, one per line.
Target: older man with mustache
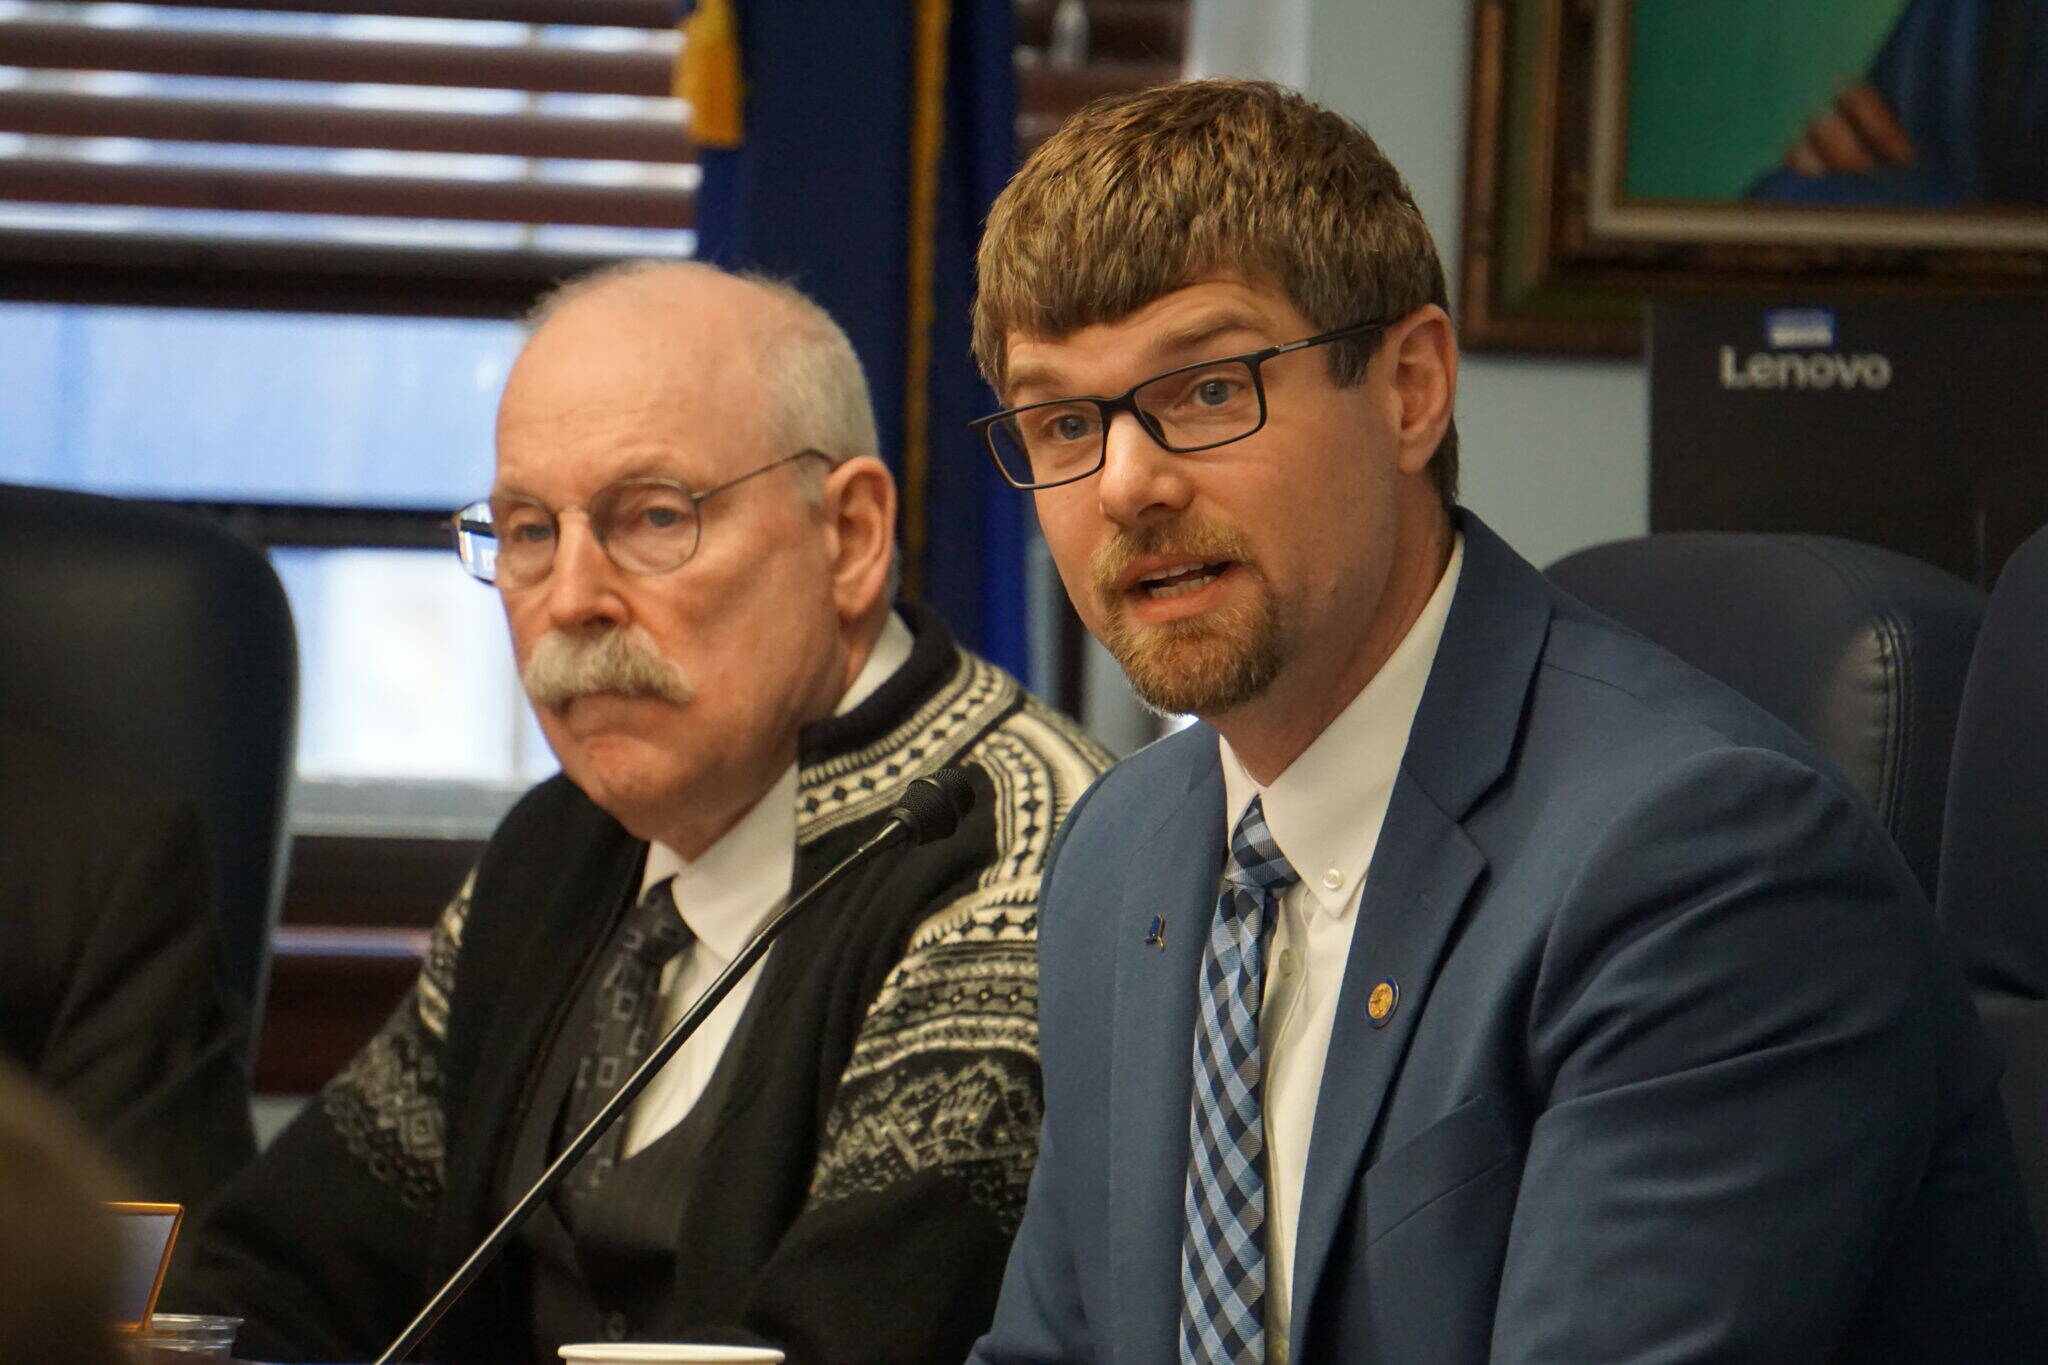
(692, 537)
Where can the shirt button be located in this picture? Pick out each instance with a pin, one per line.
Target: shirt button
(614, 1326)
(1333, 879)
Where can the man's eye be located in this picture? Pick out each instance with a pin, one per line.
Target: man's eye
(1060, 425)
(647, 512)
(528, 531)
(1215, 392)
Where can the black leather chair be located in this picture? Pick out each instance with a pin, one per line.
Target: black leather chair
(164, 642)
(1861, 650)
(1994, 856)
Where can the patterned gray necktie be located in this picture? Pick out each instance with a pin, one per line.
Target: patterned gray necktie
(1223, 1253)
(624, 1017)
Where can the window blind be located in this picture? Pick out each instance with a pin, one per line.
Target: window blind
(412, 156)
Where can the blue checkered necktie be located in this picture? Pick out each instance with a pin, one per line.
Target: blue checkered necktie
(623, 1022)
(1223, 1255)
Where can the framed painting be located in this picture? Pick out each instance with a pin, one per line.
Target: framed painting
(1619, 149)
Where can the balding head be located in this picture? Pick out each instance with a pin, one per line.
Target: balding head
(687, 402)
(801, 369)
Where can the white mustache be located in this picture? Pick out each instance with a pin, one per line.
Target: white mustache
(563, 667)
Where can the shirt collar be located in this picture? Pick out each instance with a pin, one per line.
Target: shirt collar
(1324, 810)
(729, 892)
(891, 652)
(734, 885)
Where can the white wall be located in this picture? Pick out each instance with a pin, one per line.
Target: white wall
(1554, 451)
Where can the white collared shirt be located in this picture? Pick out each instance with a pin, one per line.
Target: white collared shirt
(731, 890)
(1325, 813)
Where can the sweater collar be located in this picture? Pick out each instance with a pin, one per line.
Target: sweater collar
(920, 718)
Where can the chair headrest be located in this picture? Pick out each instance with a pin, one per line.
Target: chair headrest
(1994, 859)
(158, 639)
(1860, 650)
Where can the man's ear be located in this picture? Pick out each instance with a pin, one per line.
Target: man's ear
(1421, 353)
(859, 505)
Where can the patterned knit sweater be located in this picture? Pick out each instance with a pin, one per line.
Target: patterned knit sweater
(867, 1165)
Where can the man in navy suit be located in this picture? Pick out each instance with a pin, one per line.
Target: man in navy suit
(1477, 981)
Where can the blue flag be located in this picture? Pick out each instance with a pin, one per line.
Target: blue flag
(876, 134)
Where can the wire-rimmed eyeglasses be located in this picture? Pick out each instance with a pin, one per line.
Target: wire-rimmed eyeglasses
(1193, 407)
(644, 525)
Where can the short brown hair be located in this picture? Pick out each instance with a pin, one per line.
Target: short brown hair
(1138, 195)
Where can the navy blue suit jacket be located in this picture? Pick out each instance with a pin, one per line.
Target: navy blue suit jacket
(1679, 1069)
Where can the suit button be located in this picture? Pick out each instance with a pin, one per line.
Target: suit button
(614, 1326)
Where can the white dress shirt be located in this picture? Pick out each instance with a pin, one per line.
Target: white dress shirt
(1325, 813)
(731, 890)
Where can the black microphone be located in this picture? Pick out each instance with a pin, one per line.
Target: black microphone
(930, 808)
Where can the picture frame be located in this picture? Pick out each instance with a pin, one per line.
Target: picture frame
(1572, 220)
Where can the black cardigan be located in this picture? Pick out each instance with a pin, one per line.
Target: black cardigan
(867, 1169)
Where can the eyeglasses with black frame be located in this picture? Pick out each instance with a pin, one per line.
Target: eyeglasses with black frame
(645, 526)
(1193, 407)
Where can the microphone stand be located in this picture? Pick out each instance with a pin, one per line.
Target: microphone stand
(896, 831)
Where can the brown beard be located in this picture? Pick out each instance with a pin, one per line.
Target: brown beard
(1205, 666)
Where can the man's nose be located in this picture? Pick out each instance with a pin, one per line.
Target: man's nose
(582, 586)
(1141, 479)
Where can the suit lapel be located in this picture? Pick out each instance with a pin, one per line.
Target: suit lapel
(1424, 869)
(1420, 877)
(1172, 875)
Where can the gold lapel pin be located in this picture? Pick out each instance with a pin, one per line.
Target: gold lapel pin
(1156, 935)
(1379, 1006)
